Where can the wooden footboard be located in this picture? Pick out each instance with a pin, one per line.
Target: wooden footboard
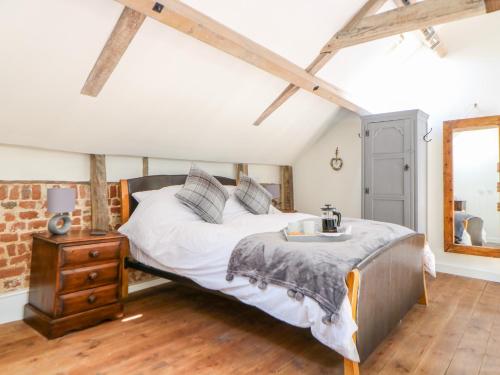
(391, 282)
(382, 290)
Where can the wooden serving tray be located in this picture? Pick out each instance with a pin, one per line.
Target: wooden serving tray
(343, 235)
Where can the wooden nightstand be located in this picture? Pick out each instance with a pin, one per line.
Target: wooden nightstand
(75, 281)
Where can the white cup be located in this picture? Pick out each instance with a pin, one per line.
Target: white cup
(293, 227)
(309, 227)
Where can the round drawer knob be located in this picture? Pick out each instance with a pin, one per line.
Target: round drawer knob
(92, 276)
(91, 299)
(94, 253)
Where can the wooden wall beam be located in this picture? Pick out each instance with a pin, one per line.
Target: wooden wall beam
(175, 14)
(124, 31)
(492, 5)
(370, 7)
(145, 166)
(241, 168)
(99, 193)
(286, 180)
(430, 36)
(409, 18)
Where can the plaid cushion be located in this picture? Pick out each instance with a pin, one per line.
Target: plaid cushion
(255, 197)
(204, 195)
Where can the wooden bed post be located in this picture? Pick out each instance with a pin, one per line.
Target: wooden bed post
(125, 214)
(424, 299)
(351, 367)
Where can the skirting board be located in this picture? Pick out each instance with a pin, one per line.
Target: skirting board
(467, 272)
(12, 304)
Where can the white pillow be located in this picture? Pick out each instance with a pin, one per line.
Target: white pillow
(155, 215)
(273, 210)
(233, 206)
(139, 196)
(164, 201)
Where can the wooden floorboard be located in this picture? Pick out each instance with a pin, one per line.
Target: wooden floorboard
(177, 330)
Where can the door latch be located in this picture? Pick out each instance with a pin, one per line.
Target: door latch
(407, 167)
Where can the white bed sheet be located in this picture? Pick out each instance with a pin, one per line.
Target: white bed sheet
(200, 251)
(203, 258)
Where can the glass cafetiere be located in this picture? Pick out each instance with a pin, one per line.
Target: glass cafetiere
(330, 219)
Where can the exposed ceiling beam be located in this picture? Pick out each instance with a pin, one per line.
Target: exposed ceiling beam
(430, 36)
(410, 18)
(125, 29)
(370, 7)
(175, 14)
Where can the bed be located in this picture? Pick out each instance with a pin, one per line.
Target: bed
(386, 284)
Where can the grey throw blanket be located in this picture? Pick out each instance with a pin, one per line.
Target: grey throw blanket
(314, 269)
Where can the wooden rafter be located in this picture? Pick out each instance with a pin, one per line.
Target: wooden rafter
(410, 18)
(124, 31)
(431, 38)
(370, 7)
(197, 25)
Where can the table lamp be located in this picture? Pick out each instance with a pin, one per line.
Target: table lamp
(61, 202)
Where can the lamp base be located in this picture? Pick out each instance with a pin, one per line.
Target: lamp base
(53, 226)
(96, 232)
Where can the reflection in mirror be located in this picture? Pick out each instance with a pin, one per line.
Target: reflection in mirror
(475, 185)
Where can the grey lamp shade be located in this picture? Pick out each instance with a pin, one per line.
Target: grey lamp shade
(61, 200)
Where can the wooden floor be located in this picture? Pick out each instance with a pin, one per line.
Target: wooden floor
(181, 331)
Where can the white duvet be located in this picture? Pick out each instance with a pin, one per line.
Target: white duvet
(167, 235)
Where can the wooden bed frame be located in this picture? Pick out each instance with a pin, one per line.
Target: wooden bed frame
(397, 267)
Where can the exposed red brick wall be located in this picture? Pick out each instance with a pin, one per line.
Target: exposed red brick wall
(23, 211)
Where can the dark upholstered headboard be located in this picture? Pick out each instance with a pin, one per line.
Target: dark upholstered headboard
(128, 187)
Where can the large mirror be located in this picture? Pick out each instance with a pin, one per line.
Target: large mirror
(471, 186)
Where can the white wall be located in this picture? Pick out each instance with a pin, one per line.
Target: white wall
(122, 167)
(264, 173)
(166, 166)
(316, 183)
(24, 163)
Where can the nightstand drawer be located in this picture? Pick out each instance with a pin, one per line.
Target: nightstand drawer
(74, 255)
(71, 280)
(76, 302)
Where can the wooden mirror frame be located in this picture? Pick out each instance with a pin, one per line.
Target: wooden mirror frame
(449, 230)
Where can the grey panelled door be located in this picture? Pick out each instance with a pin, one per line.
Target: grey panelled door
(388, 154)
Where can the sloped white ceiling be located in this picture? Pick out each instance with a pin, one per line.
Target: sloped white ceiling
(173, 96)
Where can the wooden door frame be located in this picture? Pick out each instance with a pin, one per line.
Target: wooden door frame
(449, 127)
